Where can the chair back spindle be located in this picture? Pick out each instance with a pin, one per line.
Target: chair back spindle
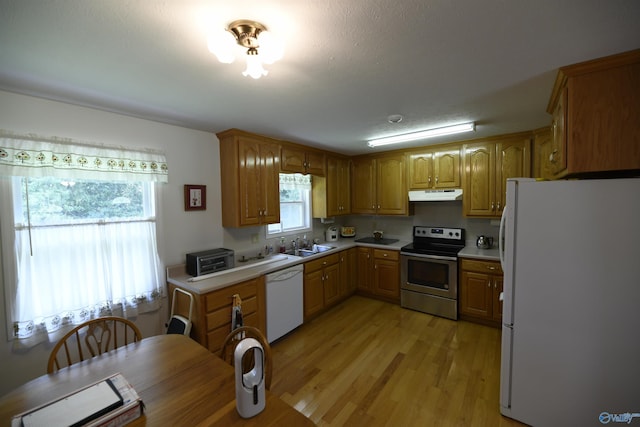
(100, 336)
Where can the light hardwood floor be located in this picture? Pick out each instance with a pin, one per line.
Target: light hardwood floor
(371, 363)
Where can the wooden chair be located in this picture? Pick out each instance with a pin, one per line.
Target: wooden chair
(232, 340)
(90, 339)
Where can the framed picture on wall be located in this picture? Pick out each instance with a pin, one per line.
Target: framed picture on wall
(195, 197)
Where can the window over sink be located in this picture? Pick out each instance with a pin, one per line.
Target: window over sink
(295, 206)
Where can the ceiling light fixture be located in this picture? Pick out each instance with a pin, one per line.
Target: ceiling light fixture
(428, 133)
(261, 46)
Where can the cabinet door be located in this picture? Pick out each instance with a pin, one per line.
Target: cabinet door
(420, 171)
(446, 169)
(344, 186)
(313, 293)
(352, 264)
(333, 191)
(315, 163)
(250, 164)
(364, 269)
(387, 278)
(513, 161)
(300, 161)
(363, 186)
(558, 156)
(293, 160)
(475, 294)
(331, 279)
(269, 183)
(479, 192)
(392, 198)
(542, 148)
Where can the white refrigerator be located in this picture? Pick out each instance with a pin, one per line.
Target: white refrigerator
(571, 314)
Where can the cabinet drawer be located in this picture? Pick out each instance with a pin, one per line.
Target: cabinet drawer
(319, 263)
(386, 254)
(491, 267)
(222, 315)
(216, 337)
(222, 298)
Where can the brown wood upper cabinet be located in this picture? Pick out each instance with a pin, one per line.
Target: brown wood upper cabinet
(596, 116)
(332, 193)
(378, 185)
(299, 160)
(438, 168)
(542, 149)
(487, 166)
(250, 167)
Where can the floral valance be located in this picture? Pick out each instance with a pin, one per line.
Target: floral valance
(30, 155)
(291, 181)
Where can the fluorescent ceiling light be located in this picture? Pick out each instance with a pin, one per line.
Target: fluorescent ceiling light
(429, 133)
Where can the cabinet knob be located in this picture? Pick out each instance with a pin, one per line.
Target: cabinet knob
(436, 179)
(493, 206)
(386, 255)
(552, 156)
(498, 205)
(429, 180)
(489, 284)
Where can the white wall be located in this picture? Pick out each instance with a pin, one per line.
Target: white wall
(193, 158)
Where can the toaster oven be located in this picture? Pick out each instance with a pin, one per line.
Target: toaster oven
(211, 261)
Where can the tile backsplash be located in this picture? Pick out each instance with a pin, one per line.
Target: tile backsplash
(441, 214)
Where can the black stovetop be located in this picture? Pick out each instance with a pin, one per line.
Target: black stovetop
(438, 241)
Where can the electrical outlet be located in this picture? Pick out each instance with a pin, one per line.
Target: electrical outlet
(254, 238)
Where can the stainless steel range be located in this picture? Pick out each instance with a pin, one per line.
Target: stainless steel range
(429, 271)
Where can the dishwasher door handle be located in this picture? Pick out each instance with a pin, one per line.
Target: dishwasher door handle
(285, 275)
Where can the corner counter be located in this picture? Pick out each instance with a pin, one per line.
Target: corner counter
(474, 252)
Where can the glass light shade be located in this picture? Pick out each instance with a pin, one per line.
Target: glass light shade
(254, 66)
(223, 45)
(271, 49)
(429, 133)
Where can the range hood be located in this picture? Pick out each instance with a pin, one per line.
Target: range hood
(435, 195)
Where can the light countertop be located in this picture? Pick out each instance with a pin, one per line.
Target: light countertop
(471, 251)
(178, 276)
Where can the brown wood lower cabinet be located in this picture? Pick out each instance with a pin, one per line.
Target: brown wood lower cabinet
(327, 281)
(321, 278)
(379, 273)
(480, 286)
(211, 319)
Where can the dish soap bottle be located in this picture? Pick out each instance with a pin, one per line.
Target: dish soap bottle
(283, 249)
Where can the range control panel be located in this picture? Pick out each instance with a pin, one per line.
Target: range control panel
(438, 232)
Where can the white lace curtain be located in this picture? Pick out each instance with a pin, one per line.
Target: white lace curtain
(76, 271)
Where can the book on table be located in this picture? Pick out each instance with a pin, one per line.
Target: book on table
(108, 402)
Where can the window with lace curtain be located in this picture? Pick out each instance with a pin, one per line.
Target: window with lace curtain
(295, 206)
(78, 232)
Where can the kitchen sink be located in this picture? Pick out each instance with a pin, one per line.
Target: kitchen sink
(315, 250)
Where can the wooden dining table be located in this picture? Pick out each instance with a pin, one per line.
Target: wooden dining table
(180, 382)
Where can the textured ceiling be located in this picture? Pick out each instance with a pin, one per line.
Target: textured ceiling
(347, 65)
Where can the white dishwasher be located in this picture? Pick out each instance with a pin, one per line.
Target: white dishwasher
(284, 301)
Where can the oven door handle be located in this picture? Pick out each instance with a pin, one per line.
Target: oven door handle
(444, 258)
